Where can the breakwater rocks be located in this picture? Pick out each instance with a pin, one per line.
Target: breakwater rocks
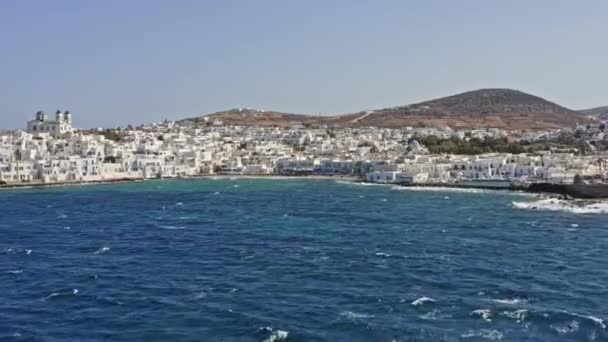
(571, 190)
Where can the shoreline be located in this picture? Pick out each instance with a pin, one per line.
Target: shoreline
(29, 185)
(343, 178)
(67, 183)
(269, 176)
(466, 186)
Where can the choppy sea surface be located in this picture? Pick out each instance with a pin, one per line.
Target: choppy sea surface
(297, 260)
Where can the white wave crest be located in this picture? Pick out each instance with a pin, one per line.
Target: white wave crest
(15, 272)
(359, 183)
(490, 334)
(567, 328)
(171, 227)
(422, 300)
(102, 250)
(518, 315)
(355, 315)
(485, 314)
(596, 320)
(279, 335)
(433, 315)
(510, 301)
(444, 189)
(275, 335)
(54, 294)
(571, 206)
(72, 292)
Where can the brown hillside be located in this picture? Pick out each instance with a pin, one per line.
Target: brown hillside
(491, 108)
(598, 112)
(498, 108)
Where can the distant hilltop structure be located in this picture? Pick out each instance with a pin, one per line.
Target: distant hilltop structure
(41, 123)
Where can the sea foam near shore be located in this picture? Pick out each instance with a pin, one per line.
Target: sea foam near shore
(571, 206)
(452, 189)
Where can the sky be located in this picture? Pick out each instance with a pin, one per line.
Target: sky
(118, 62)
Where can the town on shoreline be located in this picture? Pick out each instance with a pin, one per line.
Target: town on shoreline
(53, 152)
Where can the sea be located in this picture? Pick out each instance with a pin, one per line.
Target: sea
(239, 259)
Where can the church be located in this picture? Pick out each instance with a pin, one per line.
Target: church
(41, 124)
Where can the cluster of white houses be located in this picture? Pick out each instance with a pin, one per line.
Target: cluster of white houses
(52, 151)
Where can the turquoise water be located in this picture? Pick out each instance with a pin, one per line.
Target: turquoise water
(295, 260)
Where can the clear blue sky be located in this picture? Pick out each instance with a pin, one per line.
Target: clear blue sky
(115, 62)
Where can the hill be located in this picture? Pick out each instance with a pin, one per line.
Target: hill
(598, 112)
(257, 117)
(483, 108)
(498, 108)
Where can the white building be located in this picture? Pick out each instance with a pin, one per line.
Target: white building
(41, 124)
(394, 177)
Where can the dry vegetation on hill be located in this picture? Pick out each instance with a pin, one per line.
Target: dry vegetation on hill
(496, 108)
